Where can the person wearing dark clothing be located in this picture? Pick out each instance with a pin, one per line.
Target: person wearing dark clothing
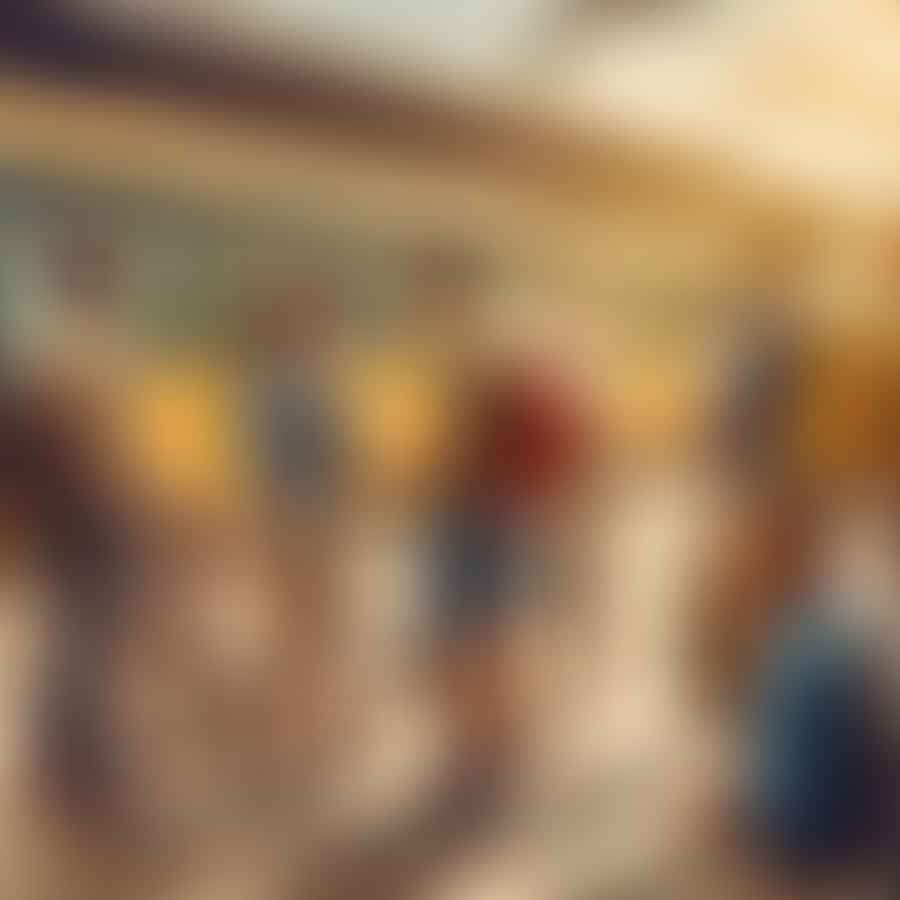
(817, 787)
(59, 479)
(815, 773)
(52, 491)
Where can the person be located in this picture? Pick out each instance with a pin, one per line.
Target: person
(517, 450)
(295, 439)
(760, 384)
(863, 561)
(60, 473)
(814, 774)
(295, 435)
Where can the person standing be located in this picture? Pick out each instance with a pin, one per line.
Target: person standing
(293, 422)
(516, 448)
(813, 779)
(61, 461)
(761, 380)
(293, 432)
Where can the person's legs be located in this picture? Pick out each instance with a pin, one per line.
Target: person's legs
(78, 754)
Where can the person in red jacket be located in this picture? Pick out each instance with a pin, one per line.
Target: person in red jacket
(520, 450)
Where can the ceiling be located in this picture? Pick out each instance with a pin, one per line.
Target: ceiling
(799, 93)
(464, 44)
(795, 94)
(458, 45)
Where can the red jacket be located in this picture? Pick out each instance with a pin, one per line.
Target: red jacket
(530, 437)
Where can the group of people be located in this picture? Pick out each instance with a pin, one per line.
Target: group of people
(127, 562)
(494, 485)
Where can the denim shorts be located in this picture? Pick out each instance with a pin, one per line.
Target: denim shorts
(475, 562)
